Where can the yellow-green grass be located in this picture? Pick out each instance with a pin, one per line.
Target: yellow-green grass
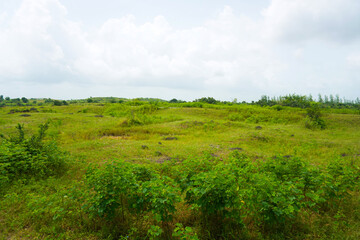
(79, 130)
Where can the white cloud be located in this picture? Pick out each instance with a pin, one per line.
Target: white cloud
(300, 20)
(298, 53)
(226, 56)
(222, 52)
(30, 46)
(354, 60)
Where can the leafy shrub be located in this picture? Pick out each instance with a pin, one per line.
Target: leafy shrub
(58, 103)
(184, 233)
(313, 119)
(22, 157)
(272, 194)
(218, 191)
(110, 187)
(120, 189)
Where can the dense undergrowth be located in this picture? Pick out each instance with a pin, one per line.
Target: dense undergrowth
(23, 158)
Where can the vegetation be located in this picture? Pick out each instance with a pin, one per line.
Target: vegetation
(111, 168)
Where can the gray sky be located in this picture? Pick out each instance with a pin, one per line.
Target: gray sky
(179, 49)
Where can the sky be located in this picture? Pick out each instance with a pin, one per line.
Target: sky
(229, 49)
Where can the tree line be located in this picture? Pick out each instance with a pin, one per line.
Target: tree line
(291, 100)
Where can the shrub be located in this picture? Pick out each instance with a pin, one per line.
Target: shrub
(58, 103)
(313, 119)
(121, 189)
(24, 158)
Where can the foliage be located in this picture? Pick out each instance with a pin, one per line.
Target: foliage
(314, 120)
(302, 101)
(122, 188)
(22, 157)
(184, 233)
(209, 100)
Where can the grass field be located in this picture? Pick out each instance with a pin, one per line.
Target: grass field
(188, 155)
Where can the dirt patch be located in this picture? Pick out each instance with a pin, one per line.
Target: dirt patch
(236, 148)
(170, 138)
(116, 137)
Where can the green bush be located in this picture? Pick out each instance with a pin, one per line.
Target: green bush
(121, 189)
(313, 117)
(24, 158)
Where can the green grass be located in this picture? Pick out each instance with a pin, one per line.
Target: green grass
(156, 136)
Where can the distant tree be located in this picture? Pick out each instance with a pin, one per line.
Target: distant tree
(320, 99)
(24, 100)
(15, 100)
(337, 99)
(65, 102)
(7, 98)
(210, 100)
(326, 99)
(174, 100)
(1, 98)
(57, 103)
(90, 100)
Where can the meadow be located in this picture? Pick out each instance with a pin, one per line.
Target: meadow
(142, 169)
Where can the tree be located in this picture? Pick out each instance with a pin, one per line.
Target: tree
(210, 100)
(320, 99)
(24, 100)
(57, 103)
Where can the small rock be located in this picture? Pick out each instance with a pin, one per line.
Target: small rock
(144, 147)
(99, 116)
(292, 135)
(215, 146)
(258, 127)
(171, 138)
(160, 143)
(236, 148)
(25, 115)
(287, 156)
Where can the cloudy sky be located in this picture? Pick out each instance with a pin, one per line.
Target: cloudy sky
(185, 49)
